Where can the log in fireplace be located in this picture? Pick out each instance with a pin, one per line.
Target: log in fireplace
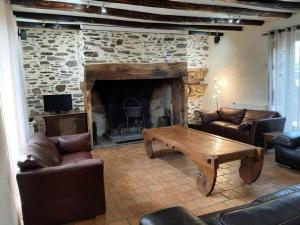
(123, 99)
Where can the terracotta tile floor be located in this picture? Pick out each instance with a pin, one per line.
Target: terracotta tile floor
(136, 185)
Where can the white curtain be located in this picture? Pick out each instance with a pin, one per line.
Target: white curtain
(284, 76)
(12, 94)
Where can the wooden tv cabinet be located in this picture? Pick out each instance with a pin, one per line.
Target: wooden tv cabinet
(73, 122)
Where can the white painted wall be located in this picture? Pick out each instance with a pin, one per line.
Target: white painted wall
(241, 59)
(8, 212)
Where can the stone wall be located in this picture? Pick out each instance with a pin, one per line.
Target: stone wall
(53, 59)
(121, 47)
(51, 66)
(197, 55)
(197, 51)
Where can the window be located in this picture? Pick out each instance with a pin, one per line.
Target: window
(284, 64)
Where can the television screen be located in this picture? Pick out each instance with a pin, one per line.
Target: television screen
(57, 103)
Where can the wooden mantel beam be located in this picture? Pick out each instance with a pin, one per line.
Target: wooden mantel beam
(273, 4)
(122, 23)
(70, 7)
(123, 71)
(202, 7)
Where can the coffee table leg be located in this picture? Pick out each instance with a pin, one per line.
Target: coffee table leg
(148, 148)
(251, 167)
(148, 144)
(206, 179)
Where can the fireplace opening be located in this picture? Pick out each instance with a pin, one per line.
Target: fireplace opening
(122, 109)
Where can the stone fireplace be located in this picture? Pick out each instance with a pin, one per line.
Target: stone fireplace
(122, 100)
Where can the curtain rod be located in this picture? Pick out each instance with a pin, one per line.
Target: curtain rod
(282, 30)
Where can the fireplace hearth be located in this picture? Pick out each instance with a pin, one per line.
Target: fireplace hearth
(124, 99)
(135, 122)
(122, 109)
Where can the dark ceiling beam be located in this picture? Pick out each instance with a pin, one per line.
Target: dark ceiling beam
(202, 7)
(22, 24)
(273, 4)
(127, 13)
(206, 33)
(48, 25)
(122, 23)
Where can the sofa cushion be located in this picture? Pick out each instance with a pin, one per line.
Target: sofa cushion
(233, 132)
(171, 216)
(288, 139)
(75, 157)
(220, 124)
(74, 143)
(216, 127)
(209, 116)
(42, 151)
(232, 115)
(252, 115)
(282, 210)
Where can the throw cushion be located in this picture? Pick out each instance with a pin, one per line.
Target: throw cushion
(244, 126)
(44, 152)
(27, 163)
(74, 143)
(232, 115)
(208, 117)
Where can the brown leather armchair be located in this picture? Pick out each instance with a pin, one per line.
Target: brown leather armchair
(59, 182)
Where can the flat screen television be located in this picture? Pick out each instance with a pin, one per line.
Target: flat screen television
(57, 103)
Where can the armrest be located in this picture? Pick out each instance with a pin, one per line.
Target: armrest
(171, 216)
(208, 116)
(72, 143)
(68, 168)
(264, 126)
(288, 139)
(56, 193)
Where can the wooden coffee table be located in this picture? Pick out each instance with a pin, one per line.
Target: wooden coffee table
(208, 152)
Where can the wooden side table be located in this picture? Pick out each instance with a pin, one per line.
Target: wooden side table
(268, 138)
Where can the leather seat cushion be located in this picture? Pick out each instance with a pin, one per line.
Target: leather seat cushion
(232, 115)
(216, 127)
(233, 132)
(75, 157)
(282, 210)
(252, 115)
(221, 124)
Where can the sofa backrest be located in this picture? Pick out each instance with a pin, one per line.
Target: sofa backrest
(72, 143)
(252, 115)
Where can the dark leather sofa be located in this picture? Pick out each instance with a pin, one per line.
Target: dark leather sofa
(287, 149)
(59, 182)
(282, 207)
(242, 125)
